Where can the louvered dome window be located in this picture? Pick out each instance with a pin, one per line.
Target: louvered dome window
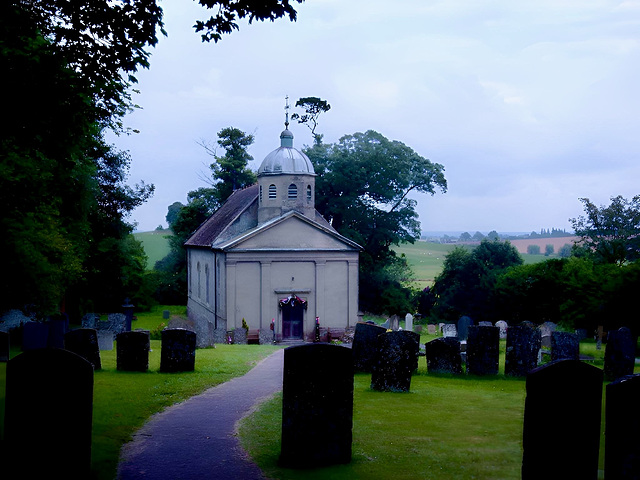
(293, 192)
(272, 191)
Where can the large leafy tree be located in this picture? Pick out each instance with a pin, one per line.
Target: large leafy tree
(363, 187)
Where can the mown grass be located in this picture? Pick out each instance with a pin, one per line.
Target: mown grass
(155, 244)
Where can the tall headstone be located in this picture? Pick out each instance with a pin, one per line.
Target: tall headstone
(619, 354)
(117, 322)
(564, 346)
(394, 322)
(132, 351)
(35, 335)
(105, 339)
(547, 328)
(365, 346)
(503, 326)
(622, 424)
(408, 322)
(48, 415)
(58, 328)
(317, 406)
(483, 350)
(443, 355)
(463, 327)
(449, 330)
(178, 353)
(84, 342)
(570, 437)
(396, 360)
(523, 347)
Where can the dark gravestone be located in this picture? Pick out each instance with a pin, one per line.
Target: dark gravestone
(84, 342)
(463, 327)
(619, 354)
(396, 360)
(443, 355)
(117, 322)
(132, 351)
(483, 350)
(365, 345)
(58, 327)
(317, 406)
(35, 336)
(564, 346)
(48, 414)
(523, 345)
(5, 346)
(561, 432)
(178, 352)
(622, 443)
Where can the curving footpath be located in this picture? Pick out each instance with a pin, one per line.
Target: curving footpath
(197, 438)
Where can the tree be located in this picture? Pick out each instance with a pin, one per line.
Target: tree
(549, 249)
(172, 213)
(478, 236)
(465, 237)
(313, 107)
(533, 249)
(493, 235)
(611, 233)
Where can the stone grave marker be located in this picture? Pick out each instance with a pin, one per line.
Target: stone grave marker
(408, 322)
(396, 360)
(84, 342)
(90, 320)
(619, 354)
(431, 329)
(503, 326)
(563, 442)
(581, 333)
(365, 345)
(35, 335)
(599, 336)
(118, 322)
(443, 355)
(166, 314)
(178, 353)
(449, 330)
(58, 328)
(239, 336)
(105, 339)
(463, 327)
(483, 350)
(564, 346)
(5, 346)
(132, 351)
(394, 322)
(547, 328)
(317, 406)
(485, 324)
(48, 415)
(523, 347)
(622, 424)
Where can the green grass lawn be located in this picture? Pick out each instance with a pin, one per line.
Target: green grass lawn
(155, 244)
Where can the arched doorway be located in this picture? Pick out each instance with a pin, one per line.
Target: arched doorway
(293, 308)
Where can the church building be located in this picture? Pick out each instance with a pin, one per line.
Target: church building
(269, 258)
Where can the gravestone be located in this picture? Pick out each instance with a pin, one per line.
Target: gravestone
(239, 336)
(84, 342)
(622, 424)
(463, 327)
(449, 330)
(485, 324)
(90, 320)
(265, 336)
(483, 350)
(5, 346)
(443, 355)
(394, 322)
(365, 345)
(619, 354)
(561, 431)
(547, 328)
(564, 346)
(599, 335)
(178, 352)
(317, 406)
(35, 335)
(581, 333)
(132, 351)
(48, 415)
(408, 322)
(127, 311)
(523, 347)
(431, 329)
(117, 323)
(105, 339)
(545, 341)
(396, 360)
(503, 326)
(58, 327)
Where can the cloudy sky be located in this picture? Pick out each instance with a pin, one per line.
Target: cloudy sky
(529, 105)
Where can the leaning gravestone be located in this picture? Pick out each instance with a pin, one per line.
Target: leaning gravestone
(622, 424)
(5, 346)
(523, 346)
(564, 346)
(443, 355)
(84, 342)
(317, 406)
(449, 330)
(48, 415)
(463, 327)
(503, 326)
(619, 354)
(483, 350)
(365, 345)
(396, 360)
(132, 351)
(571, 437)
(178, 353)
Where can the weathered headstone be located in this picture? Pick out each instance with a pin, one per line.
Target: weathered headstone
(178, 352)
(573, 390)
(463, 327)
(127, 311)
(239, 336)
(365, 345)
(619, 354)
(503, 326)
(431, 329)
(317, 406)
(90, 320)
(5, 346)
(564, 346)
(58, 327)
(48, 415)
(622, 424)
(105, 339)
(523, 346)
(485, 324)
(265, 336)
(117, 322)
(84, 342)
(35, 335)
(408, 322)
(483, 350)
(443, 355)
(449, 330)
(394, 322)
(132, 351)
(547, 328)
(396, 360)
(545, 341)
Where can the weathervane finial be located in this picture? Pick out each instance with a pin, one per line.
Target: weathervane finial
(286, 109)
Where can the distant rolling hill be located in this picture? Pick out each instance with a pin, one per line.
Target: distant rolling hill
(156, 245)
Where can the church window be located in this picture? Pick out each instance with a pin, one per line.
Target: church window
(260, 193)
(293, 192)
(272, 191)
(199, 281)
(308, 193)
(206, 282)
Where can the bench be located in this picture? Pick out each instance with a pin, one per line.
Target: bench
(253, 337)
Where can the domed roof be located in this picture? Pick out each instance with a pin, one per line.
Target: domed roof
(286, 159)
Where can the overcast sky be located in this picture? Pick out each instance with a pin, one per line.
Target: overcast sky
(529, 105)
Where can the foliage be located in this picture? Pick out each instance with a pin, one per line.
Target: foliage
(611, 233)
(533, 249)
(313, 107)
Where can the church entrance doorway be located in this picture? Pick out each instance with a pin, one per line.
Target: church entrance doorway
(293, 317)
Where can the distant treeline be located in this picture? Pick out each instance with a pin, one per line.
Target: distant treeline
(467, 237)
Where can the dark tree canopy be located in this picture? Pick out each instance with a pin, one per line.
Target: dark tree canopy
(313, 107)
